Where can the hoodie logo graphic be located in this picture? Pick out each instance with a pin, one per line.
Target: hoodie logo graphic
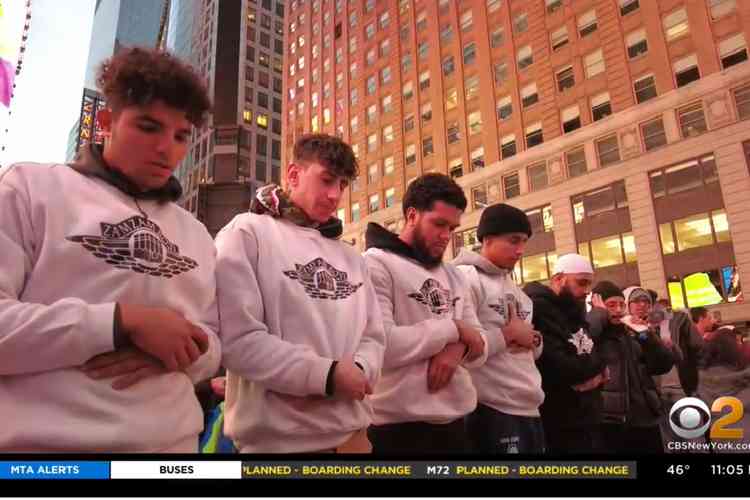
(139, 245)
(582, 342)
(323, 281)
(437, 298)
(501, 309)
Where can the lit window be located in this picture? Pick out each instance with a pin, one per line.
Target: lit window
(693, 232)
(471, 87)
(372, 173)
(374, 203)
(594, 63)
(475, 122)
(247, 116)
(387, 104)
(372, 143)
(467, 21)
(326, 116)
(388, 165)
(262, 120)
(388, 134)
(606, 251)
(390, 197)
(451, 99)
(355, 212)
(676, 24)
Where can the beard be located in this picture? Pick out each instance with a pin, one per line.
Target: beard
(422, 252)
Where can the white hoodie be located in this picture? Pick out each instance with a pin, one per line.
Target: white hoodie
(73, 246)
(419, 307)
(292, 302)
(509, 381)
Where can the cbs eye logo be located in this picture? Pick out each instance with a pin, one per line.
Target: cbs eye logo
(690, 418)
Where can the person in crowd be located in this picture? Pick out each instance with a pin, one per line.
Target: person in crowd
(430, 320)
(108, 310)
(301, 329)
(509, 385)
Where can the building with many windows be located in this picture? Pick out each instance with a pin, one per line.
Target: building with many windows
(620, 126)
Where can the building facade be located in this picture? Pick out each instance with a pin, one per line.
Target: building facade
(619, 125)
(237, 45)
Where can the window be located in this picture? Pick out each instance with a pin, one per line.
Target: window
(521, 23)
(686, 70)
(529, 95)
(353, 70)
(511, 186)
(692, 120)
(353, 98)
(451, 98)
(467, 21)
(427, 148)
(421, 21)
(385, 47)
(565, 79)
(637, 44)
(265, 40)
(247, 116)
(423, 50)
(371, 84)
(385, 75)
(386, 103)
(553, 5)
(455, 168)
(339, 55)
(326, 116)
(720, 8)
(467, 239)
(385, 20)
(471, 87)
(410, 154)
(576, 162)
(534, 135)
(645, 88)
(326, 65)
(742, 101)
(341, 215)
(571, 119)
(409, 123)
(608, 150)
(426, 112)
(477, 159)
(263, 100)
(538, 178)
(693, 174)
(388, 165)
(508, 146)
(525, 57)
(372, 143)
(261, 145)
(479, 197)
(327, 90)
(388, 134)
(355, 212)
(372, 173)
(262, 121)
(276, 105)
(444, 6)
(504, 108)
(424, 80)
(628, 6)
(369, 31)
(403, 6)
(353, 19)
(501, 72)
(454, 134)
(493, 5)
(599, 201)
(559, 38)
(404, 34)
(263, 60)
(327, 41)
(449, 65)
(497, 37)
(390, 197)
(600, 106)
(653, 134)
(587, 23)
(676, 25)
(470, 53)
(408, 91)
(594, 63)
(354, 125)
(405, 63)
(475, 122)
(698, 230)
(446, 33)
(733, 50)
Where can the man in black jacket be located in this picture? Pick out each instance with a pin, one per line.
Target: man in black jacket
(572, 371)
(632, 408)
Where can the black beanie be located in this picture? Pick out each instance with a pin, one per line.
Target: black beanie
(502, 219)
(607, 289)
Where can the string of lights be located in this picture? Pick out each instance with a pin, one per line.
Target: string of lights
(19, 62)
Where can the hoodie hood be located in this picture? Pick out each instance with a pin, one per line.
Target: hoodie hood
(573, 310)
(470, 258)
(90, 162)
(628, 293)
(379, 237)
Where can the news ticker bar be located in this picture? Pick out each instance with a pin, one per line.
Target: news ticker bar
(317, 470)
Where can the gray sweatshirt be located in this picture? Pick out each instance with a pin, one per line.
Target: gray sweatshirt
(509, 381)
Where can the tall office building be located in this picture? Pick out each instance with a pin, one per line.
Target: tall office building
(618, 125)
(237, 46)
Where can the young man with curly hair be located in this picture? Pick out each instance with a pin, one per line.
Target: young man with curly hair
(431, 323)
(108, 310)
(302, 335)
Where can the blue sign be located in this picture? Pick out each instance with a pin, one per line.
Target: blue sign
(54, 470)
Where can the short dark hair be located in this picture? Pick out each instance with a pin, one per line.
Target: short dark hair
(137, 76)
(424, 191)
(328, 150)
(698, 313)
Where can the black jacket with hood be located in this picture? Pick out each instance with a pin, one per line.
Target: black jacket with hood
(569, 358)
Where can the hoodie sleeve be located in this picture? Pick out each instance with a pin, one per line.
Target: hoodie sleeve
(407, 344)
(469, 316)
(493, 337)
(40, 337)
(249, 349)
(208, 320)
(373, 344)
(561, 360)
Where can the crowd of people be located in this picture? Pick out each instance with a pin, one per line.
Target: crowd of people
(115, 303)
